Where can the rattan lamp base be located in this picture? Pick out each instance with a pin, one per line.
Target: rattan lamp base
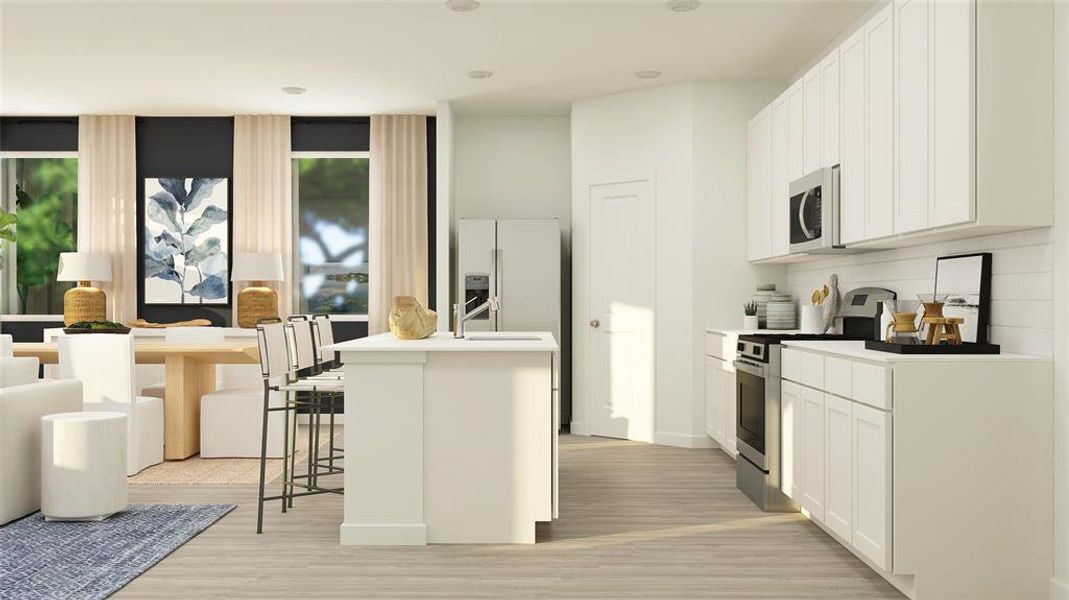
(256, 302)
(84, 303)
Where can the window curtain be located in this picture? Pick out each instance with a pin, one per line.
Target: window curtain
(107, 174)
(397, 215)
(262, 210)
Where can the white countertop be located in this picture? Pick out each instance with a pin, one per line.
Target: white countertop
(716, 331)
(857, 350)
(476, 341)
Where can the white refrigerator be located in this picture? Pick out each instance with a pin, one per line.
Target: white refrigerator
(518, 261)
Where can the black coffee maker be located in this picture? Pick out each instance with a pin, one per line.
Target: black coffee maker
(860, 312)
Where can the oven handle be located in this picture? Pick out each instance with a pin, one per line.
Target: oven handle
(747, 367)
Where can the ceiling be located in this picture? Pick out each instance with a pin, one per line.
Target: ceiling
(151, 57)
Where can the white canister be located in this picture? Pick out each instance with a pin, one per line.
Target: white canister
(812, 318)
(749, 323)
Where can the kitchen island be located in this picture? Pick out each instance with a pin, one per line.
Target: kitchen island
(449, 440)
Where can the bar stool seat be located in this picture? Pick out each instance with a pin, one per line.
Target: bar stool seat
(83, 465)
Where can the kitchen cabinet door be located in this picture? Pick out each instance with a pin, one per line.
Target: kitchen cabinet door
(852, 135)
(791, 448)
(727, 381)
(953, 155)
(872, 484)
(838, 466)
(830, 93)
(813, 106)
(912, 115)
(781, 236)
(796, 130)
(812, 483)
(879, 120)
(759, 224)
(714, 401)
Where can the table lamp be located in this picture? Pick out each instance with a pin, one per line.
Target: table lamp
(84, 302)
(256, 301)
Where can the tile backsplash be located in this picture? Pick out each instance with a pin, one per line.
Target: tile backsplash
(1022, 281)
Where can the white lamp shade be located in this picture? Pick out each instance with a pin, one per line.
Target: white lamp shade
(84, 266)
(256, 266)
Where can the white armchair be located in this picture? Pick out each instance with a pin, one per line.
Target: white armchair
(23, 401)
(105, 365)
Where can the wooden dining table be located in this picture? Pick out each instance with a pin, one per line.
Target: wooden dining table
(190, 373)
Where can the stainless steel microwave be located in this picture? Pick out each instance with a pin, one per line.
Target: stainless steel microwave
(814, 212)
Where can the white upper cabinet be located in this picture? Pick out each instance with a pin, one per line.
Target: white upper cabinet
(912, 114)
(759, 176)
(879, 122)
(796, 131)
(830, 94)
(953, 108)
(813, 123)
(852, 136)
(781, 236)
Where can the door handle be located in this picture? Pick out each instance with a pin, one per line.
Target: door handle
(595, 323)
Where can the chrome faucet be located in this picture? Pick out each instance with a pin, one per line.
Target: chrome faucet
(459, 316)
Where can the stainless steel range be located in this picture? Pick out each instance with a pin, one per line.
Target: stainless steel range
(757, 397)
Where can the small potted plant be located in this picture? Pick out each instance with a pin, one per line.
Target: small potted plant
(749, 321)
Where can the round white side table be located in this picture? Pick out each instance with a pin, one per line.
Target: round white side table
(83, 465)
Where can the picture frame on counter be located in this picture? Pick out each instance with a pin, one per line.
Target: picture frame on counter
(966, 281)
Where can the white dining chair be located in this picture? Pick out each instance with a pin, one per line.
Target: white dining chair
(104, 363)
(7, 348)
(188, 336)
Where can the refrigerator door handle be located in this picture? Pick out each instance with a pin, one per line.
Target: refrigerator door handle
(495, 257)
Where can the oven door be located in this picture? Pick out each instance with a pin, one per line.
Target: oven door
(750, 385)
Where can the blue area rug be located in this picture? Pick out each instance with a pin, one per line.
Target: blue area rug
(40, 560)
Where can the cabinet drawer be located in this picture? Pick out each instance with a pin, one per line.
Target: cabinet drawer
(791, 367)
(812, 370)
(838, 377)
(872, 385)
(714, 345)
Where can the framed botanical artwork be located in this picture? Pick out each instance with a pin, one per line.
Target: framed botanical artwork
(186, 248)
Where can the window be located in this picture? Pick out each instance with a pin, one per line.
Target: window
(331, 195)
(41, 190)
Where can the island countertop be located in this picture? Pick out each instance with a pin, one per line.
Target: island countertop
(476, 341)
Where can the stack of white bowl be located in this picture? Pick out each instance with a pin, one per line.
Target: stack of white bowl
(766, 292)
(782, 315)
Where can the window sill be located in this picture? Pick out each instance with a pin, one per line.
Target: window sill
(32, 318)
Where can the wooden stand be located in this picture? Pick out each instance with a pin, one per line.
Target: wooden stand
(943, 329)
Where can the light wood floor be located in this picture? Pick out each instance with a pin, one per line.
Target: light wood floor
(636, 521)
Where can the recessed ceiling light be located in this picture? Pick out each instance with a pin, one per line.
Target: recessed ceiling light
(480, 74)
(647, 74)
(293, 90)
(682, 5)
(462, 5)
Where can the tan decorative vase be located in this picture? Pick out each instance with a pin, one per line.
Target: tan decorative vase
(256, 302)
(84, 303)
(410, 321)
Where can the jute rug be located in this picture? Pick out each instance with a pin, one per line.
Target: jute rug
(227, 471)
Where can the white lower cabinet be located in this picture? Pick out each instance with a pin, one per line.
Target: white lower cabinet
(812, 440)
(791, 455)
(871, 431)
(839, 465)
(720, 403)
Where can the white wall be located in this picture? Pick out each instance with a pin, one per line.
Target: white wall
(1022, 281)
(1060, 583)
(690, 139)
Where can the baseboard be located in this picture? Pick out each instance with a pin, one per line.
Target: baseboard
(356, 534)
(1058, 590)
(682, 440)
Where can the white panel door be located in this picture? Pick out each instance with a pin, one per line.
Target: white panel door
(838, 466)
(813, 460)
(620, 365)
(476, 255)
(813, 82)
(912, 115)
(852, 131)
(830, 94)
(952, 199)
(759, 157)
(872, 484)
(528, 275)
(780, 197)
(796, 130)
(879, 113)
(791, 449)
(729, 402)
(714, 401)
